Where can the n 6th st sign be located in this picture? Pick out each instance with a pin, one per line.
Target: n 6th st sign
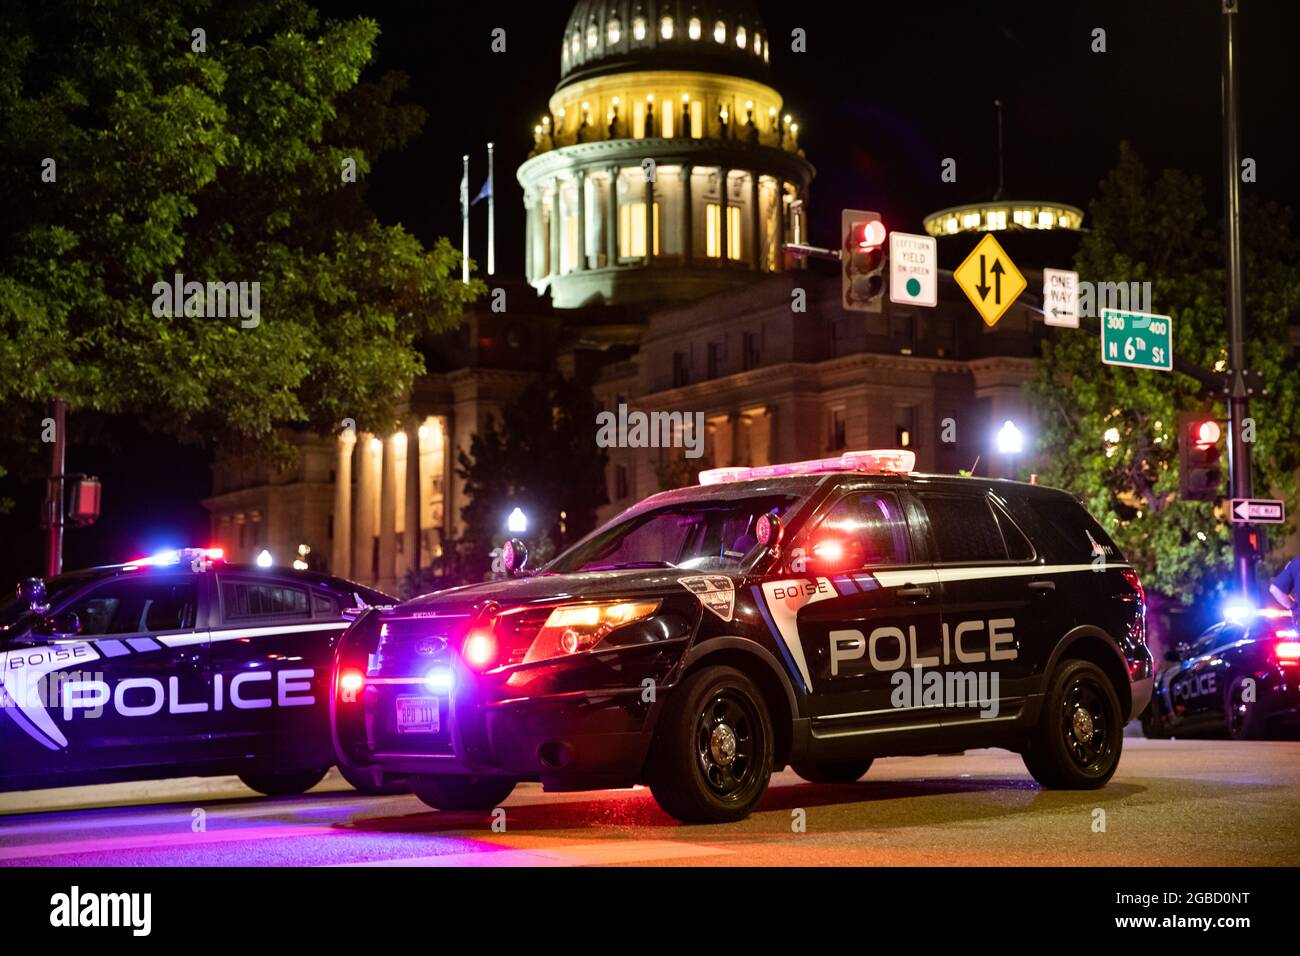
(1137, 340)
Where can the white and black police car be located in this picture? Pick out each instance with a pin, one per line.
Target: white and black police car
(1240, 677)
(817, 614)
(173, 665)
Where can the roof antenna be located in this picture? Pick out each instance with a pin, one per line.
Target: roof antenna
(1002, 189)
(974, 465)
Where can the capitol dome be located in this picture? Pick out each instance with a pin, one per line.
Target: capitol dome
(665, 167)
(613, 36)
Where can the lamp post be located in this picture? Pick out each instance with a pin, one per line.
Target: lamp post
(1010, 442)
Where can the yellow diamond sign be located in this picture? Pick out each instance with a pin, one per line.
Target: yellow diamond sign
(990, 280)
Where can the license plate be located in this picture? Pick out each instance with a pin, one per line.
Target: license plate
(417, 715)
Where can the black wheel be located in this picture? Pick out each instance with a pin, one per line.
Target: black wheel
(1153, 725)
(461, 793)
(283, 783)
(374, 783)
(843, 771)
(1080, 734)
(712, 753)
(1245, 718)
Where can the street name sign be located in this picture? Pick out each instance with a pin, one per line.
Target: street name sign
(913, 269)
(1137, 340)
(1258, 511)
(1061, 298)
(990, 280)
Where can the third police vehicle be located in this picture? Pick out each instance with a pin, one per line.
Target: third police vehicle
(817, 615)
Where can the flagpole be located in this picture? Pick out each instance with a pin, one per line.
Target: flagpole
(492, 189)
(464, 221)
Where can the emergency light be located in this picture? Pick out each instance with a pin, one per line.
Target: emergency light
(888, 461)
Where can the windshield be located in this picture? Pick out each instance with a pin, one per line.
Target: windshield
(707, 535)
(13, 609)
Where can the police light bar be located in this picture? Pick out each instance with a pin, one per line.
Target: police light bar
(176, 555)
(890, 461)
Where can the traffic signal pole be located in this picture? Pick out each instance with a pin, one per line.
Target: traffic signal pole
(1238, 449)
(54, 496)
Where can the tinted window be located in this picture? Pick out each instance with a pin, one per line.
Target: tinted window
(135, 605)
(868, 528)
(249, 599)
(323, 605)
(1076, 531)
(964, 529)
(1018, 546)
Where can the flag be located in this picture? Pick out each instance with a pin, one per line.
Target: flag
(485, 192)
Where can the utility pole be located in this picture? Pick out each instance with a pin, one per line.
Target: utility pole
(54, 494)
(1236, 387)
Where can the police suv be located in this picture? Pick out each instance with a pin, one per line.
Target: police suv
(818, 614)
(1240, 677)
(172, 665)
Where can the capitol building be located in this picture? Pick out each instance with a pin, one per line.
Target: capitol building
(666, 175)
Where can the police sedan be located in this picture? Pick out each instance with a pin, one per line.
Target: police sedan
(173, 665)
(816, 614)
(1240, 677)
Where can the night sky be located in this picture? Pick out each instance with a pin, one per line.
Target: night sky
(884, 93)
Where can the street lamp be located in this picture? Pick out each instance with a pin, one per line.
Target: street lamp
(264, 559)
(517, 522)
(1010, 440)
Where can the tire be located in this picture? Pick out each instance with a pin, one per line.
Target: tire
(1245, 720)
(283, 783)
(1080, 734)
(374, 783)
(460, 793)
(844, 771)
(711, 758)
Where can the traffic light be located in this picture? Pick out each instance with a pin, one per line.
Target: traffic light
(862, 255)
(1198, 456)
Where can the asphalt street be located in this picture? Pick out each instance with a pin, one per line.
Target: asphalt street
(1182, 802)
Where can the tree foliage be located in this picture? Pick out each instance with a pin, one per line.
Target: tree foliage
(1153, 228)
(541, 457)
(223, 165)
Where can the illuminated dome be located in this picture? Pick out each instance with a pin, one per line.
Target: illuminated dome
(664, 167)
(611, 36)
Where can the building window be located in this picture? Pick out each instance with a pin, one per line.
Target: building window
(733, 233)
(615, 31)
(750, 348)
(713, 228)
(694, 28)
(666, 28)
(638, 28)
(905, 426)
(720, 32)
(714, 359)
(631, 230)
(838, 430)
(681, 376)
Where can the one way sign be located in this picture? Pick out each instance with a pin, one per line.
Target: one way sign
(1258, 511)
(990, 280)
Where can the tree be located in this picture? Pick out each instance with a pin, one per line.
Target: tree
(134, 147)
(1147, 228)
(543, 458)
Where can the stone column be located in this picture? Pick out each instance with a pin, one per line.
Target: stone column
(756, 222)
(411, 551)
(530, 232)
(341, 551)
(581, 180)
(555, 227)
(611, 214)
(688, 222)
(779, 212)
(388, 517)
(723, 242)
(649, 218)
(364, 526)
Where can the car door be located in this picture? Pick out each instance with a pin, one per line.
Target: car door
(1196, 690)
(1001, 608)
(143, 698)
(868, 609)
(271, 654)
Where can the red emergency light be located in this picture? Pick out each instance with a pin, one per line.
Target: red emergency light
(891, 461)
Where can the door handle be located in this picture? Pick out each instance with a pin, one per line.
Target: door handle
(1042, 586)
(914, 593)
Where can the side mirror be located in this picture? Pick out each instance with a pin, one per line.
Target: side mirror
(514, 555)
(58, 626)
(31, 591)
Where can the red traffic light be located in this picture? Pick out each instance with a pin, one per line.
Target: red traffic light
(1206, 433)
(870, 235)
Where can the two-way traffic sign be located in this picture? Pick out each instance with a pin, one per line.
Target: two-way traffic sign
(1258, 511)
(990, 280)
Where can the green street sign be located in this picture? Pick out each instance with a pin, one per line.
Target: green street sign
(1137, 339)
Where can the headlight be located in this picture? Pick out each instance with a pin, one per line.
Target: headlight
(578, 628)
